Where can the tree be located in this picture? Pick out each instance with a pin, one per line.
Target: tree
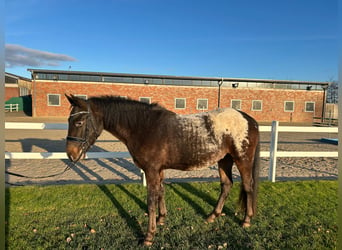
(332, 92)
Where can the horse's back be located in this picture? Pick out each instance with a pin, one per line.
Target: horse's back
(220, 123)
(203, 139)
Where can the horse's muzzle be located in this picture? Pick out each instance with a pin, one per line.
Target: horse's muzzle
(74, 152)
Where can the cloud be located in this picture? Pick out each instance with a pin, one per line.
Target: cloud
(17, 55)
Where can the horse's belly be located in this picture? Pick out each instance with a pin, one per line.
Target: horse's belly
(199, 162)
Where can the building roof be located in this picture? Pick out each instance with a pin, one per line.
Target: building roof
(17, 77)
(106, 74)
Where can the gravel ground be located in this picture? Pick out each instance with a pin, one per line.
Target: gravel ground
(123, 170)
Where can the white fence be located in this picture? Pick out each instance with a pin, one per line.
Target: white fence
(273, 153)
(12, 107)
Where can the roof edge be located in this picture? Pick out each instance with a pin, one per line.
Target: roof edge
(18, 77)
(177, 77)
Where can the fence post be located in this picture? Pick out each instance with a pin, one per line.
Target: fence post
(273, 151)
(143, 177)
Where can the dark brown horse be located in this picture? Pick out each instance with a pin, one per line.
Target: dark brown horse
(159, 139)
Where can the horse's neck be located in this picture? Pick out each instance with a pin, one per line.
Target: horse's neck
(116, 122)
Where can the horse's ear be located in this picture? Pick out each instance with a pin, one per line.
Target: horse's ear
(70, 99)
(75, 101)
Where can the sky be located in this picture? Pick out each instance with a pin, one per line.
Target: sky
(265, 39)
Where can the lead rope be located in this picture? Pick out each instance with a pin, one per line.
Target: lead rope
(84, 143)
(36, 177)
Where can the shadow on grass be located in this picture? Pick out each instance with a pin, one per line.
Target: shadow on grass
(208, 199)
(132, 223)
(199, 193)
(190, 201)
(138, 201)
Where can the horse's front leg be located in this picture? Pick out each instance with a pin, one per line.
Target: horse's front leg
(153, 189)
(161, 201)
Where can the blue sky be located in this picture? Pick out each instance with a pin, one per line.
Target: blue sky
(288, 40)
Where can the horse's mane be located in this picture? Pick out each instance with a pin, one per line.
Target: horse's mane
(130, 113)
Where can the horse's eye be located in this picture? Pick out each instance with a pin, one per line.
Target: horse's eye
(79, 123)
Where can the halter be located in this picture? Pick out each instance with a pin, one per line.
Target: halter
(84, 141)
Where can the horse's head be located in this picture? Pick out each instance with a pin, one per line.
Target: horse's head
(83, 128)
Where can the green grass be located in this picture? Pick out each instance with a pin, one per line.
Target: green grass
(291, 215)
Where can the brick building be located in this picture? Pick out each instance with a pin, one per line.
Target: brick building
(16, 86)
(265, 100)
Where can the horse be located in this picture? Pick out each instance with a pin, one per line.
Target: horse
(160, 139)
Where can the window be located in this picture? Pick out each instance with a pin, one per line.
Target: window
(9, 79)
(309, 106)
(54, 99)
(202, 104)
(236, 104)
(84, 97)
(145, 99)
(180, 103)
(257, 105)
(289, 106)
(24, 91)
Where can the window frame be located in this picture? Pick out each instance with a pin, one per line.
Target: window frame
(145, 97)
(310, 111)
(184, 99)
(202, 99)
(253, 101)
(84, 97)
(53, 105)
(234, 100)
(293, 102)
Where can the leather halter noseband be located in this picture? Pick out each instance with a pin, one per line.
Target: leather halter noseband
(84, 142)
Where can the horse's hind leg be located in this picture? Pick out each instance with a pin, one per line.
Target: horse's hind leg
(161, 201)
(246, 192)
(155, 199)
(225, 170)
(153, 189)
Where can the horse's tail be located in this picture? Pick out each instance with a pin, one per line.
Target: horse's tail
(255, 182)
(256, 169)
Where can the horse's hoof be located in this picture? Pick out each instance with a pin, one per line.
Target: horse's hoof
(246, 225)
(148, 243)
(161, 221)
(211, 219)
(213, 216)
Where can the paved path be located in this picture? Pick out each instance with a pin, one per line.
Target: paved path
(123, 170)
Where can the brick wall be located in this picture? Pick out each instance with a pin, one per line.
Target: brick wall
(12, 91)
(272, 99)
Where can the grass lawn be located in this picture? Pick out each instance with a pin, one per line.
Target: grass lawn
(291, 215)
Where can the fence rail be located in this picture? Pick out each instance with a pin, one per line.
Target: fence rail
(12, 107)
(62, 155)
(326, 121)
(36, 125)
(273, 154)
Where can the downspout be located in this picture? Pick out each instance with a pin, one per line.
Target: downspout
(219, 83)
(34, 97)
(323, 103)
